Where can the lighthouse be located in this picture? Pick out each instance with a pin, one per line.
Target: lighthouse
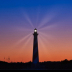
(35, 48)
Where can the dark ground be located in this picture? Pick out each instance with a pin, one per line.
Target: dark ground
(60, 65)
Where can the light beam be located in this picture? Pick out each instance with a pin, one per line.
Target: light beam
(28, 19)
(23, 39)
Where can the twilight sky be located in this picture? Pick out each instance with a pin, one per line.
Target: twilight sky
(53, 20)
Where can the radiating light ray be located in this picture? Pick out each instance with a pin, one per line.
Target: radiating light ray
(45, 39)
(23, 39)
(23, 29)
(43, 45)
(40, 43)
(24, 46)
(49, 27)
(37, 16)
(28, 20)
(45, 35)
(49, 16)
(45, 20)
(27, 43)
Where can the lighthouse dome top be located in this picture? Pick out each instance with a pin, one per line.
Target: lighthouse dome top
(35, 30)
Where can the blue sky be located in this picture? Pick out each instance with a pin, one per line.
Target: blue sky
(31, 3)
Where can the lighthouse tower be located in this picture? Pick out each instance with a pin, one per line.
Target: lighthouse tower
(35, 48)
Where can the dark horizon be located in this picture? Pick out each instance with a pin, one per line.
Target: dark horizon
(39, 61)
(63, 65)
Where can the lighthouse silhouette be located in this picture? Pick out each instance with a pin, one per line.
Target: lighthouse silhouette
(35, 48)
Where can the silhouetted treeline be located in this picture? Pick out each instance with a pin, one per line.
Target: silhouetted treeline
(64, 65)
